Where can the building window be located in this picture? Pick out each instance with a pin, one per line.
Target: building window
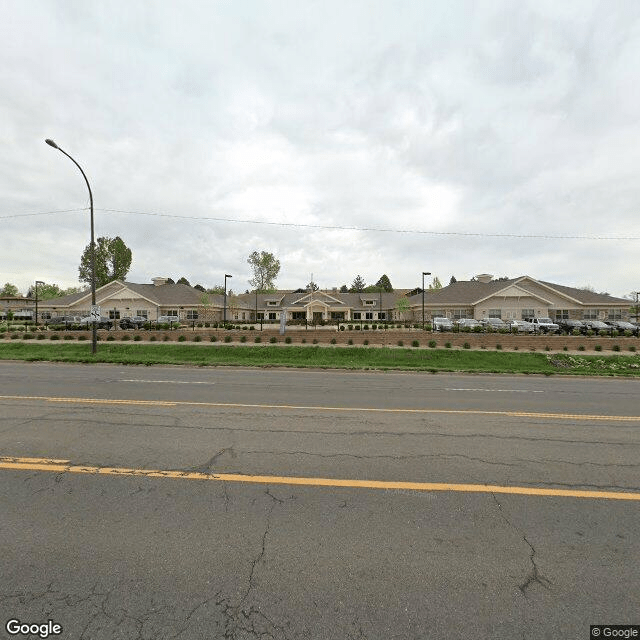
(368, 315)
(528, 313)
(114, 314)
(337, 315)
(382, 316)
(590, 314)
(614, 314)
(357, 315)
(495, 313)
(260, 315)
(143, 313)
(298, 315)
(171, 312)
(192, 314)
(562, 314)
(370, 302)
(272, 316)
(272, 303)
(243, 316)
(458, 314)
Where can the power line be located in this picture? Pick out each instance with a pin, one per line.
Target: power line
(334, 227)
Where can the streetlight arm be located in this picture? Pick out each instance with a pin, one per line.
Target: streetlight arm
(81, 171)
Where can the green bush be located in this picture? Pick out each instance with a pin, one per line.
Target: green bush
(257, 339)
(213, 339)
(581, 347)
(350, 327)
(243, 338)
(137, 337)
(227, 338)
(197, 338)
(565, 348)
(126, 337)
(315, 341)
(466, 345)
(616, 347)
(303, 341)
(597, 347)
(365, 342)
(166, 338)
(366, 327)
(400, 343)
(28, 336)
(273, 339)
(333, 341)
(152, 338)
(374, 326)
(547, 347)
(252, 328)
(349, 341)
(357, 327)
(41, 336)
(81, 337)
(632, 348)
(288, 339)
(67, 336)
(341, 327)
(55, 336)
(432, 344)
(112, 338)
(182, 338)
(447, 345)
(499, 347)
(516, 348)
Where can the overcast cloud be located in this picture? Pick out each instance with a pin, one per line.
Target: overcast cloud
(452, 117)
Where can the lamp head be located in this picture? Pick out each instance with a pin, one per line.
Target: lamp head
(226, 275)
(51, 143)
(426, 273)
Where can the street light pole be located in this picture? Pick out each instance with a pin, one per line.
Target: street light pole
(637, 293)
(424, 273)
(37, 283)
(92, 250)
(224, 316)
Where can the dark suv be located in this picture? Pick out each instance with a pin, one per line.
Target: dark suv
(571, 325)
(136, 322)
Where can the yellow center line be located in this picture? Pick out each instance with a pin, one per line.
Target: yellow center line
(237, 405)
(27, 464)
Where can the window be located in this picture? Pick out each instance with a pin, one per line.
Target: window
(458, 314)
(357, 315)
(114, 314)
(192, 314)
(562, 314)
(614, 314)
(368, 315)
(382, 316)
(244, 316)
(528, 313)
(495, 313)
(298, 315)
(143, 313)
(272, 315)
(370, 302)
(272, 303)
(171, 312)
(260, 315)
(590, 314)
(337, 315)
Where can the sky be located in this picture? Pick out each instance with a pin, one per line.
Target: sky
(345, 137)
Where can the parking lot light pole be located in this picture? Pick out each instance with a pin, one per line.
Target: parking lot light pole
(636, 293)
(92, 250)
(424, 273)
(37, 283)
(224, 316)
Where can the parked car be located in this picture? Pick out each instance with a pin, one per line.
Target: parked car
(596, 325)
(622, 325)
(468, 322)
(570, 325)
(521, 326)
(102, 323)
(441, 324)
(543, 325)
(135, 322)
(65, 320)
(493, 323)
(171, 320)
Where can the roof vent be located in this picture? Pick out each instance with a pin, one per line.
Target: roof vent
(484, 277)
(158, 282)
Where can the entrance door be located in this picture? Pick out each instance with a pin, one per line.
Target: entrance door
(317, 317)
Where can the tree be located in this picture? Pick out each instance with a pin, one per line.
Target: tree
(312, 286)
(358, 285)
(112, 261)
(217, 289)
(265, 268)
(344, 289)
(183, 280)
(49, 291)
(452, 280)
(384, 283)
(402, 305)
(170, 281)
(10, 290)
(199, 287)
(435, 284)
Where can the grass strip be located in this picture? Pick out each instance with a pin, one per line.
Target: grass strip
(383, 358)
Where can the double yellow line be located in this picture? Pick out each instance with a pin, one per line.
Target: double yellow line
(64, 466)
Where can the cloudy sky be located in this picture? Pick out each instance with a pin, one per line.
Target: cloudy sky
(402, 136)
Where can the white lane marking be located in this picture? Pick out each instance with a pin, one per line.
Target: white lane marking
(168, 381)
(500, 390)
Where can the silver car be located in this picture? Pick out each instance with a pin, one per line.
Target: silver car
(521, 326)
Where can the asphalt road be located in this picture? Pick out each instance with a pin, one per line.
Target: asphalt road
(97, 541)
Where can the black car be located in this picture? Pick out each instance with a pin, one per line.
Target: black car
(136, 322)
(570, 325)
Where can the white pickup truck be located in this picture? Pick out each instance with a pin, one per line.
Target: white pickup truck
(544, 325)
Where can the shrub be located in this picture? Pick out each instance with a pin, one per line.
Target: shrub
(112, 338)
(447, 345)
(565, 348)
(66, 336)
(288, 339)
(28, 336)
(515, 348)
(55, 336)
(257, 339)
(433, 344)
(166, 338)
(137, 337)
(213, 339)
(366, 327)
(315, 341)
(499, 347)
(603, 332)
(365, 342)
(252, 328)
(182, 338)
(349, 341)
(126, 337)
(614, 334)
(243, 338)
(227, 338)
(80, 337)
(576, 332)
(197, 338)
(400, 343)
(627, 333)
(273, 339)
(632, 348)
(357, 327)
(350, 327)
(466, 345)
(341, 327)
(616, 347)
(207, 325)
(581, 347)
(151, 339)
(589, 333)
(374, 326)
(597, 347)
(303, 341)
(333, 340)
(41, 336)
(547, 347)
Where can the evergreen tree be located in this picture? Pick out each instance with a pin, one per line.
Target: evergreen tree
(384, 283)
(358, 285)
